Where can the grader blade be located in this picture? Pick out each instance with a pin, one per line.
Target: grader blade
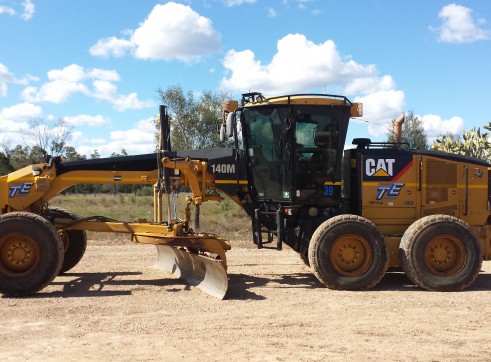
(200, 271)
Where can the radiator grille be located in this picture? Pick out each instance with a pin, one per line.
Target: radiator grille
(440, 176)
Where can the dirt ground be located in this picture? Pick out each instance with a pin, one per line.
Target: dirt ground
(115, 306)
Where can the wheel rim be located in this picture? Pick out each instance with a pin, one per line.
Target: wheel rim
(445, 255)
(19, 254)
(351, 255)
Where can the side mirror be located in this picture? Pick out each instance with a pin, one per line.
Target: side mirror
(229, 126)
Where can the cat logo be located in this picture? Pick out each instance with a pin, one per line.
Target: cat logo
(383, 167)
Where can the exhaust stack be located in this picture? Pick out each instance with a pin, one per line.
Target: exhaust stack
(398, 130)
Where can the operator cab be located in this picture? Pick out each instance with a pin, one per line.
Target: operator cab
(294, 145)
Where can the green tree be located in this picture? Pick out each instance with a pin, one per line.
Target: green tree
(123, 153)
(72, 155)
(413, 132)
(51, 137)
(5, 166)
(19, 157)
(95, 154)
(194, 122)
(473, 143)
(37, 155)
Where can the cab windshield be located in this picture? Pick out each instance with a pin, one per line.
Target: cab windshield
(267, 145)
(293, 148)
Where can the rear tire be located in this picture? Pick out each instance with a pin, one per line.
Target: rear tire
(31, 253)
(441, 253)
(74, 241)
(348, 252)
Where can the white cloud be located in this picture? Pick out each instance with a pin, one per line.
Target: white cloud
(15, 122)
(72, 73)
(104, 74)
(137, 140)
(369, 84)
(29, 10)
(87, 120)
(107, 91)
(271, 13)
(76, 136)
(26, 9)
(170, 32)
(380, 108)
(459, 26)
(231, 3)
(7, 77)
(7, 10)
(57, 91)
(111, 46)
(435, 126)
(73, 79)
(300, 65)
(21, 112)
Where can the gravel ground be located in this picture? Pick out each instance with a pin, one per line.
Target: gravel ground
(115, 306)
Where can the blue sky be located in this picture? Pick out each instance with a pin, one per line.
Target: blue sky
(98, 63)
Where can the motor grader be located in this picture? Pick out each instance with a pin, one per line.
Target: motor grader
(351, 214)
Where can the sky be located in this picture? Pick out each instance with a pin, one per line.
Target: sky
(97, 64)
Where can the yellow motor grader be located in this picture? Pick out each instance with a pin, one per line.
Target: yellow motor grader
(352, 214)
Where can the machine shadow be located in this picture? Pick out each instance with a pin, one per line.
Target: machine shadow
(241, 286)
(398, 281)
(95, 284)
(247, 287)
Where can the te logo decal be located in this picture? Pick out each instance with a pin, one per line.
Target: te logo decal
(388, 190)
(20, 190)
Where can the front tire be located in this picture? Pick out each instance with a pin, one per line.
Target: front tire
(31, 253)
(441, 253)
(74, 241)
(348, 252)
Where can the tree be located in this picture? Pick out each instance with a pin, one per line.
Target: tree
(194, 123)
(72, 155)
(95, 155)
(37, 155)
(123, 153)
(413, 132)
(5, 166)
(19, 157)
(474, 143)
(51, 137)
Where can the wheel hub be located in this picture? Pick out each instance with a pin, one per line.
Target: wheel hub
(445, 255)
(18, 253)
(348, 254)
(441, 254)
(351, 255)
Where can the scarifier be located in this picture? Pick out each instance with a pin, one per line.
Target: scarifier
(351, 214)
